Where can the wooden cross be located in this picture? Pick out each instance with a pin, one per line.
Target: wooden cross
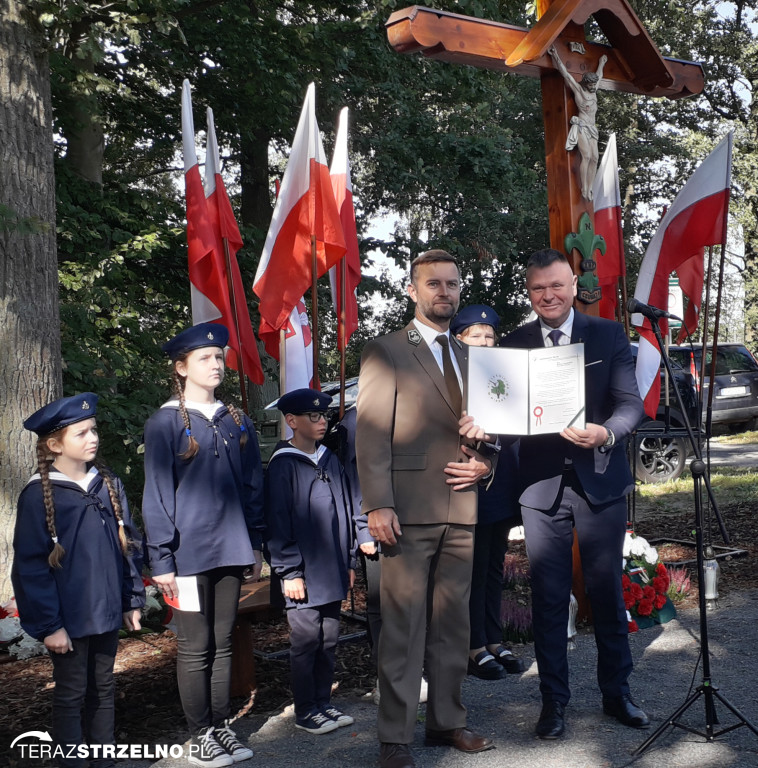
(634, 65)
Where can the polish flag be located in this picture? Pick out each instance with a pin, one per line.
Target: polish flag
(691, 276)
(696, 219)
(343, 195)
(209, 220)
(241, 337)
(305, 207)
(607, 202)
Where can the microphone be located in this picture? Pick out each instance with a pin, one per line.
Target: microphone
(651, 313)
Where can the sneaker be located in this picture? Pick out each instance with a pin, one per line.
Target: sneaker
(205, 751)
(423, 691)
(227, 738)
(316, 722)
(339, 717)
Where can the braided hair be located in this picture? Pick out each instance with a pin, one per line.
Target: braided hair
(44, 462)
(178, 382)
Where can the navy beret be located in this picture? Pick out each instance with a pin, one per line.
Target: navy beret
(303, 400)
(472, 315)
(200, 335)
(61, 413)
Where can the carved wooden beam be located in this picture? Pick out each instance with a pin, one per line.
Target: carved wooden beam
(634, 65)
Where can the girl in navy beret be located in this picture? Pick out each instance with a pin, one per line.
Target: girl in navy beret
(498, 512)
(76, 571)
(203, 515)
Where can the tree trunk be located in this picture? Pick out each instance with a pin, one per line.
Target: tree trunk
(30, 352)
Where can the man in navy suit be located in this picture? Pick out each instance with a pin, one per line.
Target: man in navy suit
(579, 480)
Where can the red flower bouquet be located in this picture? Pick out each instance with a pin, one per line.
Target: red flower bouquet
(644, 587)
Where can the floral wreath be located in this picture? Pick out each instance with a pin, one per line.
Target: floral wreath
(644, 582)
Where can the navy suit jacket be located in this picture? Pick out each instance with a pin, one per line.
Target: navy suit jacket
(612, 399)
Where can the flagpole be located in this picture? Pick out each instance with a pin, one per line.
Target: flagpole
(314, 311)
(282, 377)
(235, 318)
(342, 321)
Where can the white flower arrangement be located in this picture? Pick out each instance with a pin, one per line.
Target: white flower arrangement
(637, 548)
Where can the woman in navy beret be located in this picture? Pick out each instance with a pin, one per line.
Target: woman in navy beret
(76, 571)
(203, 515)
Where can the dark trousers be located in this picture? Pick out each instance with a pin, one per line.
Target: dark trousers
(372, 570)
(549, 539)
(84, 680)
(313, 636)
(204, 649)
(485, 603)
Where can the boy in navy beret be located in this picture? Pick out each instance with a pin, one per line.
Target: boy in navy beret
(312, 549)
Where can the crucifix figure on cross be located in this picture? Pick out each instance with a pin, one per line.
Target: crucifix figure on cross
(628, 62)
(583, 132)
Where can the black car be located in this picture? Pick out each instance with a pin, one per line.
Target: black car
(662, 444)
(735, 392)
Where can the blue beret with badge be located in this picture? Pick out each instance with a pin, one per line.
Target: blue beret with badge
(474, 315)
(61, 413)
(196, 337)
(304, 401)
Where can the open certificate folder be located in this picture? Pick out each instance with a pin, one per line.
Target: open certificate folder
(526, 391)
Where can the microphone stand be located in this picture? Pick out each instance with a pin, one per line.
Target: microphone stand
(706, 689)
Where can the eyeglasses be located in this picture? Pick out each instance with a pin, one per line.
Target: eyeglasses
(315, 416)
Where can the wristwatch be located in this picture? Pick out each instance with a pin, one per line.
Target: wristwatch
(610, 441)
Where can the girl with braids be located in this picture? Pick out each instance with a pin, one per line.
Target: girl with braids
(203, 516)
(76, 572)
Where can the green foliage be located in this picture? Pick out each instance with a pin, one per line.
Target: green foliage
(456, 153)
(124, 290)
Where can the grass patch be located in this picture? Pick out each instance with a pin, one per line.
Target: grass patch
(731, 485)
(741, 438)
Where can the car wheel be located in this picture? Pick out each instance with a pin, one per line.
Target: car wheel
(660, 458)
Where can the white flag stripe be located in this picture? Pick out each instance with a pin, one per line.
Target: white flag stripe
(296, 180)
(605, 188)
(188, 128)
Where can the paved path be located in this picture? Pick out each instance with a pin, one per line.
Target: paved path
(666, 659)
(731, 454)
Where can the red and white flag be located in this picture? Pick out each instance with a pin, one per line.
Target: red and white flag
(343, 195)
(305, 206)
(696, 219)
(607, 203)
(241, 337)
(298, 352)
(210, 220)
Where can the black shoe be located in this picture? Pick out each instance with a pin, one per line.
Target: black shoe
(551, 723)
(511, 664)
(395, 756)
(625, 711)
(484, 666)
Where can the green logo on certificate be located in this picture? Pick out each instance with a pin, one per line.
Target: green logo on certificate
(498, 388)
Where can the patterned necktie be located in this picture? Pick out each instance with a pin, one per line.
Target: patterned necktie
(556, 336)
(451, 380)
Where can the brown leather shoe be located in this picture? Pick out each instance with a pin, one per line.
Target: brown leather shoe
(460, 738)
(395, 756)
